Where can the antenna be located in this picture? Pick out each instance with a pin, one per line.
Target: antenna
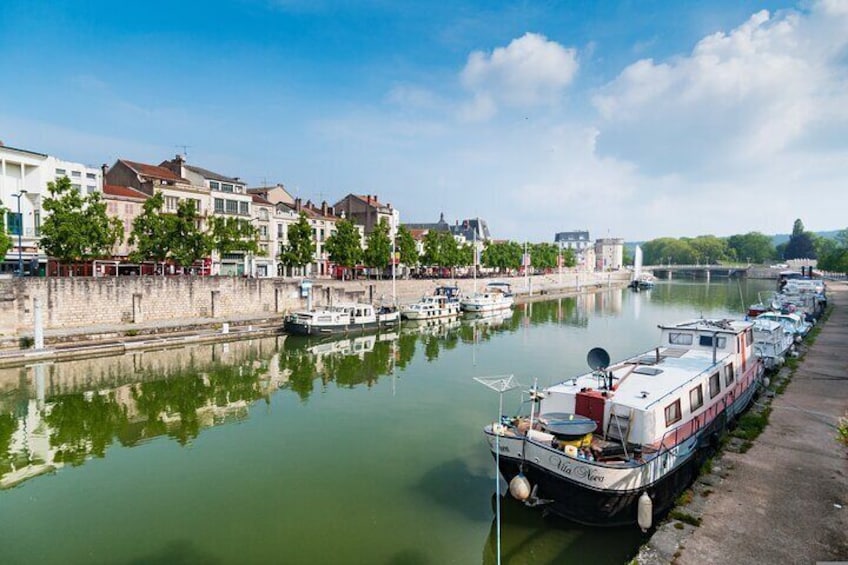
(185, 149)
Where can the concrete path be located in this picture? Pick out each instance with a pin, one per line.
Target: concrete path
(786, 499)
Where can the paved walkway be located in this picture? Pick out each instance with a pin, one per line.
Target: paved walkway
(786, 499)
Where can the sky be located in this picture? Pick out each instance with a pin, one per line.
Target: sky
(630, 119)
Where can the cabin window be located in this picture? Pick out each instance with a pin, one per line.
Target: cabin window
(672, 413)
(728, 376)
(696, 398)
(677, 338)
(715, 385)
(707, 341)
(749, 336)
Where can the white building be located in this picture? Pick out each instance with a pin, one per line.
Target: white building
(23, 186)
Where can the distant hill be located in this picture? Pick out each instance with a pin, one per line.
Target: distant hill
(779, 238)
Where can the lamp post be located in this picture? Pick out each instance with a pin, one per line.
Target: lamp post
(20, 233)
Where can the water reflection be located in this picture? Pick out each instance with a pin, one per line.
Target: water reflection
(58, 414)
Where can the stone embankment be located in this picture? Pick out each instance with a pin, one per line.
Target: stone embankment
(118, 310)
(784, 497)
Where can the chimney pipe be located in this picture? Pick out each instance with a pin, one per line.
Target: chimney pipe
(297, 205)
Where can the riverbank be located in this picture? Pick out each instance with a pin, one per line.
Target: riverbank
(103, 339)
(784, 497)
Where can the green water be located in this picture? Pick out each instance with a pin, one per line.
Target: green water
(285, 450)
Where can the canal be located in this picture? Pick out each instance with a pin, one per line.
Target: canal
(285, 450)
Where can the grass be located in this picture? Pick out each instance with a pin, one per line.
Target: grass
(842, 430)
(25, 342)
(685, 517)
(752, 424)
(131, 333)
(684, 498)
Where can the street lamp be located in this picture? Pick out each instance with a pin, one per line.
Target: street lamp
(20, 233)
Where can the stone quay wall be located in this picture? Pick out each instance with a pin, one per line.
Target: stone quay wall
(70, 302)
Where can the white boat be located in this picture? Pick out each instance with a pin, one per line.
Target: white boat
(443, 303)
(640, 280)
(340, 319)
(496, 296)
(772, 342)
(621, 442)
(793, 323)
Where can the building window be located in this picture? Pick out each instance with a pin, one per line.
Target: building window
(36, 219)
(196, 202)
(61, 172)
(715, 385)
(263, 231)
(696, 398)
(77, 186)
(76, 174)
(728, 375)
(91, 189)
(672, 413)
(232, 206)
(244, 208)
(214, 185)
(226, 187)
(90, 176)
(171, 203)
(219, 205)
(263, 249)
(13, 221)
(281, 231)
(263, 214)
(128, 209)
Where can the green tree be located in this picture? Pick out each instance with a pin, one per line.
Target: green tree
(379, 247)
(77, 227)
(189, 243)
(544, 255)
(5, 239)
(406, 247)
(432, 256)
(801, 243)
(300, 249)
(228, 234)
(151, 232)
(751, 247)
(345, 246)
(502, 255)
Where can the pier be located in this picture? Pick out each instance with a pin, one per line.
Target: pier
(786, 499)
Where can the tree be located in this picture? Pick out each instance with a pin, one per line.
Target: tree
(379, 250)
(77, 227)
(406, 247)
(300, 249)
(544, 255)
(5, 239)
(801, 243)
(751, 247)
(233, 234)
(345, 246)
(502, 255)
(150, 233)
(708, 248)
(189, 243)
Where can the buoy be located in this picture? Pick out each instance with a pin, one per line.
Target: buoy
(766, 382)
(519, 487)
(645, 512)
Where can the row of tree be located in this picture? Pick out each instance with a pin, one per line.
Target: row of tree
(77, 228)
(752, 247)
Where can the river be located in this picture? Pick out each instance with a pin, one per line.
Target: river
(286, 450)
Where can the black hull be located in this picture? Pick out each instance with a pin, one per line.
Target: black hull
(597, 507)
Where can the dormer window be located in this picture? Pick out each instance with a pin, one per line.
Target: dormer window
(214, 185)
(226, 187)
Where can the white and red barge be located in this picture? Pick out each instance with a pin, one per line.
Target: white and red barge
(625, 439)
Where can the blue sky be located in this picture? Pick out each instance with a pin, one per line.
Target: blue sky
(630, 119)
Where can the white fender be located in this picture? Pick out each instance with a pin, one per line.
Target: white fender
(645, 514)
(519, 487)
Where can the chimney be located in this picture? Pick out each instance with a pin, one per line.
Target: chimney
(369, 199)
(297, 205)
(179, 159)
(324, 208)
(103, 168)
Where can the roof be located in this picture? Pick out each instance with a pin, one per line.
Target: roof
(210, 175)
(125, 191)
(2, 146)
(258, 199)
(153, 171)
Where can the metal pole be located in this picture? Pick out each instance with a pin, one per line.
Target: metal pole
(498, 474)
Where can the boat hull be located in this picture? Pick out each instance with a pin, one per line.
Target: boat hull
(297, 328)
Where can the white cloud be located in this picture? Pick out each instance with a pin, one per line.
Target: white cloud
(530, 71)
(738, 99)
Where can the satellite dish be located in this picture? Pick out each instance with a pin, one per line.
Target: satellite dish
(598, 358)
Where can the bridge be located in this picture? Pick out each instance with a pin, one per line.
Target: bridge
(703, 272)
